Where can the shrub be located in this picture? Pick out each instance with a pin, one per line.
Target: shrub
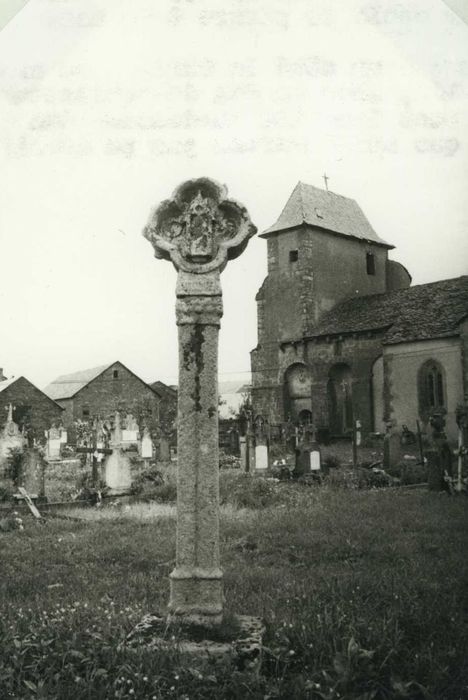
(281, 470)
(166, 493)
(15, 464)
(409, 472)
(146, 480)
(6, 492)
(247, 491)
(156, 484)
(359, 478)
(229, 461)
(331, 461)
(279, 451)
(11, 522)
(87, 490)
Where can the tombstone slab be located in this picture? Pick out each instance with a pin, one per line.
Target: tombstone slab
(199, 230)
(261, 458)
(146, 445)
(116, 468)
(117, 472)
(10, 438)
(33, 472)
(164, 449)
(391, 448)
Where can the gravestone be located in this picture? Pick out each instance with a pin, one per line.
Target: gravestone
(146, 444)
(117, 466)
(391, 448)
(439, 455)
(33, 472)
(164, 449)
(261, 447)
(10, 438)
(234, 441)
(243, 452)
(308, 456)
(131, 431)
(199, 230)
(54, 442)
(261, 458)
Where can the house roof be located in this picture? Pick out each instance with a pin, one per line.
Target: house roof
(9, 382)
(164, 390)
(422, 312)
(67, 385)
(327, 210)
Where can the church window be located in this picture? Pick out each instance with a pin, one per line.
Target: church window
(85, 411)
(293, 256)
(338, 347)
(116, 373)
(431, 387)
(370, 263)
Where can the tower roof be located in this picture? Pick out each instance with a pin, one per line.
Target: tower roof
(326, 210)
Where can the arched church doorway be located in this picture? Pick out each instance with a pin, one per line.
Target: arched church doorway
(340, 399)
(297, 393)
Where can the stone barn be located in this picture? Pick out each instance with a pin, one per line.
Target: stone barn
(101, 391)
(33, 410)
(341, 333)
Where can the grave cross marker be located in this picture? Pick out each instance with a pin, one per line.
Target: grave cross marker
(199, 230)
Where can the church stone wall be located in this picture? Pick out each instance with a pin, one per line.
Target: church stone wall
(358, 351)
(398, 276)
(340, 272)
(464, 355)
(405, 360)
(285, 301)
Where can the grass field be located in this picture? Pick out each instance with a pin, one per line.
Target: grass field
(365, 595)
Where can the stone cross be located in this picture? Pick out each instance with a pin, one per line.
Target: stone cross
(199, 230)
(116, 433)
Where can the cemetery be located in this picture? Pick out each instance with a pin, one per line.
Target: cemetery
(298, 567)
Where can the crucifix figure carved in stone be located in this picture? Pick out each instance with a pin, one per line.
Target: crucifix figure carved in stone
(199, 230)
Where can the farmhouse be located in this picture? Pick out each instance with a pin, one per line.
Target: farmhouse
(101, 391)
(341, 333)
(33, 410)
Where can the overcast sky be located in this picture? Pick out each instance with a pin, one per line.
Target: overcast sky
(107, 106)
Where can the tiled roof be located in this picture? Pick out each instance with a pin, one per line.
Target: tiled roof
(164, 390)
(421, 312)
(326, 210)
(8, 382)
(67, 385)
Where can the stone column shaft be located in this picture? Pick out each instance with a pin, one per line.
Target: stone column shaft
(196, 582)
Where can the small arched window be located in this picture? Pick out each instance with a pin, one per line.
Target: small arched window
(431, 387)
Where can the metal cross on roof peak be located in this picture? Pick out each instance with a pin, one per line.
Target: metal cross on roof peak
(326, 179)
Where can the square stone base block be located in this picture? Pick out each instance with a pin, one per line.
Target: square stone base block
(241, 649)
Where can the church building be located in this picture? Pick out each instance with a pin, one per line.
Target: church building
(342, 334)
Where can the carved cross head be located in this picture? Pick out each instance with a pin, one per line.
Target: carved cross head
(199, 229)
